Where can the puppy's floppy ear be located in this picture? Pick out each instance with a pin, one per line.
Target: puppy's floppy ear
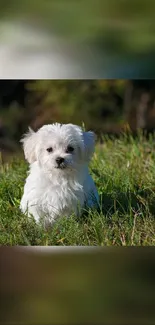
(29, 144)
(89, 144)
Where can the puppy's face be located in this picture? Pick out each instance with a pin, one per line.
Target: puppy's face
(59, 147)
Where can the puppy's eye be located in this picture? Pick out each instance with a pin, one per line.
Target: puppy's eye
(49, 149)
(69, 149)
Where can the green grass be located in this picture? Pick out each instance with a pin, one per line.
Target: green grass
(124, 172)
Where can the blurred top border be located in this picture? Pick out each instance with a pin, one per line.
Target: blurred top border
(88, 39)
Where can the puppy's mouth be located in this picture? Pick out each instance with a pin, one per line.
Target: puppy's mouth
(62, 166)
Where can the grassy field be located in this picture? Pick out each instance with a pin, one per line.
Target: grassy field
(124, 172)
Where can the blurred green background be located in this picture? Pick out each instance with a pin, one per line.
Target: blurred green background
(94, 38)
(105, 106)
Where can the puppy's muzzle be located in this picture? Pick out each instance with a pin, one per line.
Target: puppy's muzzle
(60, 162)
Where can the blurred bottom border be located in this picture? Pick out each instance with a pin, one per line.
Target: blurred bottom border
(77, 285)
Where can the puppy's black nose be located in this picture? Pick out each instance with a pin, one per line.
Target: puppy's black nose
(59, 160)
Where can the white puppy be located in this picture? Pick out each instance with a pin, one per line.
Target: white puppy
(58, 183)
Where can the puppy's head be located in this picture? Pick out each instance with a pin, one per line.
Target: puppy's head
(59, 147)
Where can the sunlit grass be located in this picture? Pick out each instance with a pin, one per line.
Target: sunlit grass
(124, 172)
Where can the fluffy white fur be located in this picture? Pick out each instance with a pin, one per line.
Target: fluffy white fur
(53, 190)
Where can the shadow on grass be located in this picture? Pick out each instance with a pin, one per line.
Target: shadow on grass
(125, 202)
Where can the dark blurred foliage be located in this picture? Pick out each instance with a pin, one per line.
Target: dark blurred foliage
(105, 106)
